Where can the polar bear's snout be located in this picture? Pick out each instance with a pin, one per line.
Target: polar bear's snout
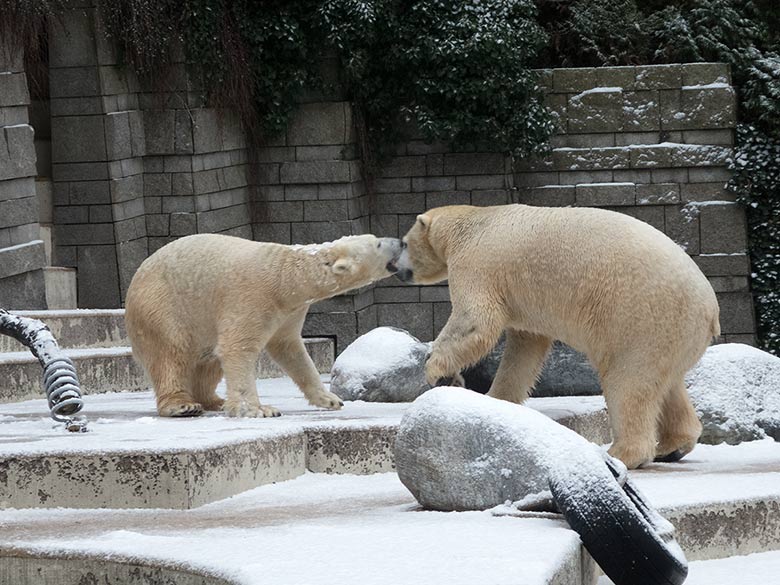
(392, 247)
(404, 265)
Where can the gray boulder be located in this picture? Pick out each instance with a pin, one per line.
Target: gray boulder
(458, 450)
(566, 373)
(384, 365)
(735, 389)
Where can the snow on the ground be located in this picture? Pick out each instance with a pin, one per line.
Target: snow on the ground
(324, 528)
(755, 569)
(128, 421)
(713, 474)
(316, 529)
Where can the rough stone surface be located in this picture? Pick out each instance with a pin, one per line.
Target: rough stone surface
(736, 392)
(384, 365)
(566, 373)
(357, 451)
(40, 570)
(183, 480)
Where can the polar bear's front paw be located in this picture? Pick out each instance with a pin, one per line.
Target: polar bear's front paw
(436, 375)
(326, 399)
(456, 381)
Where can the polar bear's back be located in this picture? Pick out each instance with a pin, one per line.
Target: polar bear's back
(186, 286)
(574, 271)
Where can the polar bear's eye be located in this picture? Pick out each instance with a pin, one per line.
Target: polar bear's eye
(379, 244)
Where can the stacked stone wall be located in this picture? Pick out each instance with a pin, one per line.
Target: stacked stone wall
(652, 142)
(22, 256)
(133, 170)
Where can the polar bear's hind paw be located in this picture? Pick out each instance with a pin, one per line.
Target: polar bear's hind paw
(182, 410)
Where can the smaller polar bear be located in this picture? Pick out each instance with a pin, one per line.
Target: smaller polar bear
(207, 305)
(606, 284)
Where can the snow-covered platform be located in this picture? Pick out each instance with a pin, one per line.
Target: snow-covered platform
(316, 529)
(368, 530)
(131, 458)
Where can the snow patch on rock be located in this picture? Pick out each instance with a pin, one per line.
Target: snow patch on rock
(735, 389)
(384, 365)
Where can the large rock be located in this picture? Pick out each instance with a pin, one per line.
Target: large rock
(384, 365)
(458, 450)
(735, 389)
(566, 373)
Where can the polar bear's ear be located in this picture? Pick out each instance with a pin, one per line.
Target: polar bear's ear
(342, 266)
(424, 220)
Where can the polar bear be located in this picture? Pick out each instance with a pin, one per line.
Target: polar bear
(606, 284)
(208, 304)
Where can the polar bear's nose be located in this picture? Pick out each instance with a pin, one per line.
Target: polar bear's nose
(405, 275)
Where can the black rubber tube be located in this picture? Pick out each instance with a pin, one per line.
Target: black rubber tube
(60, 380)
(624, 534)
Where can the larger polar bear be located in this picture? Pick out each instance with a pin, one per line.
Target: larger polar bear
(208, 304)
(606, 284)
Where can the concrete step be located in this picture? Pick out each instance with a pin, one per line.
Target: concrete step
(298, 524)
(60, 286)
(131, 458)
(113, 369)
(77, 329)
(300, 531)
(100, 370)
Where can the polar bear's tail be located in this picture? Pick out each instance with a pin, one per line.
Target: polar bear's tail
(715, 325)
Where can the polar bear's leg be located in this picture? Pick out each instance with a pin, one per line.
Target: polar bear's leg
(286, 348)
(170, 373)
(240, 369)
(204, 383)
(634, 402)
(470, 333)
(524, 355)
(678, 427)
(292, 357)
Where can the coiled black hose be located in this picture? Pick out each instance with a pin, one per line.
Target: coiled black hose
(60, 380)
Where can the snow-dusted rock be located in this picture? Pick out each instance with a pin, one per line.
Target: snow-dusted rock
(459, 450)
(566, 373)
(735, 389)
(384, 365)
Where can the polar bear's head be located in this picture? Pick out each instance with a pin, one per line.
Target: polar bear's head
(420, 262)
(360, 260)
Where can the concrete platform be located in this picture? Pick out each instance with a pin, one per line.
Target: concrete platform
(113, 369)
(319, 529)
(724, 500)
(131, 458)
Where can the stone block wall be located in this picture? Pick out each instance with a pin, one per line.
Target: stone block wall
(134, 170)
(652, 142)
(97, 159)
(22, 256)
